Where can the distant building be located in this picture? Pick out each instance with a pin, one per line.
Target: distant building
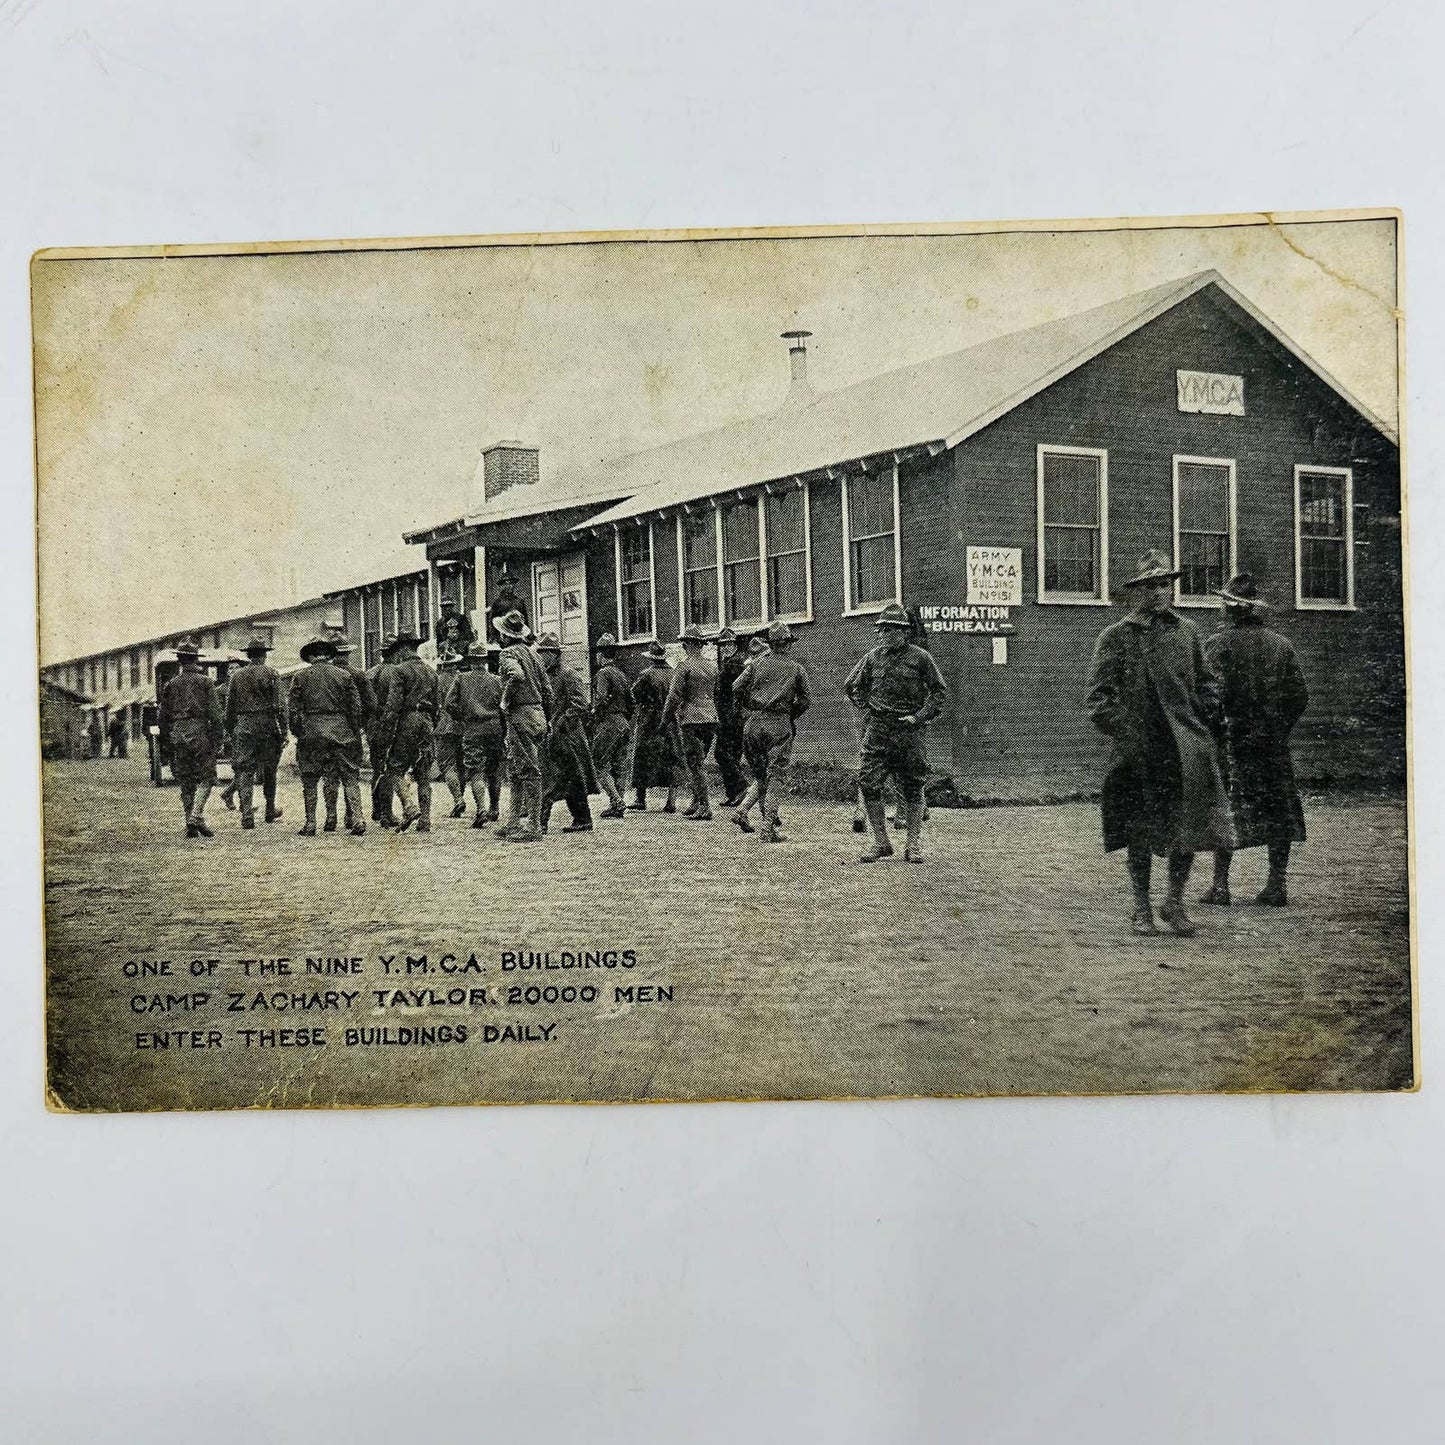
(1011, 486)
(122, 679)
(369, 610)
(63, 718)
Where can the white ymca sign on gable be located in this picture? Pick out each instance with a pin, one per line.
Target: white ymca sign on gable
(1210, 392)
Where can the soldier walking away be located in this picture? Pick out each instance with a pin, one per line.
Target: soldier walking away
(411, 715)
(611, 724)
(95, 734)
(656, 748)
(256, 720)
(773, 690)
(898, 690)
(1152, 692)
(526, 706)
(118, 734)
(447, 737)
(692, 708)
(378, 744)
(507, 601)
(567, 767)
(325, 715)
(474, 706)
(192, 726)
(728, 750)
(1264, 695)
(345, 647)
(454, 630)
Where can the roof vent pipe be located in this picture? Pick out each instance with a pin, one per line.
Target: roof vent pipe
(798, 362)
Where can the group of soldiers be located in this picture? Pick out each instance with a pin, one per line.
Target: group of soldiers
(1200, 730)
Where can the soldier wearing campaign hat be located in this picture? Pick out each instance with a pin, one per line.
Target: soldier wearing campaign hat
(773, 690)
(692, 709)
(1152, 692)
(526, 707)
(568, 771)
(344, 648)
(192, 727)
(409, 720)
(728, 749)
(1263, 693)
(447, 735)
(656, 748)
(378, 677)
(474, 706)
(256, 721)
(611, 724)
(325, 715)
(898, 690)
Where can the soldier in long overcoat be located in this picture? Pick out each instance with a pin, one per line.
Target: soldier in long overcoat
(656, 747)
(256, 720)
(1264, 695)
(569, 774)
(192, 727)
(1151, 691)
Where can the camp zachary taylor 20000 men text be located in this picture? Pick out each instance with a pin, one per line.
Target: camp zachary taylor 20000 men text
(813, 663)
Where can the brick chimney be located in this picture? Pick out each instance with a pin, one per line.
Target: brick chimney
(507, 464)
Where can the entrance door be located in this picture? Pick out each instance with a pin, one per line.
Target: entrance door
(559, 596)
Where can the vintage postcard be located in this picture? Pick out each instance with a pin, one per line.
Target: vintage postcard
(849, 662)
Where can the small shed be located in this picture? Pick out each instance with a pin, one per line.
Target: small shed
(62, 722)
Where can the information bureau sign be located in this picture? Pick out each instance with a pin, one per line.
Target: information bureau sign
(1210, 392)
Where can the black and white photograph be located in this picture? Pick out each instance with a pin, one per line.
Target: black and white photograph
(831, 663)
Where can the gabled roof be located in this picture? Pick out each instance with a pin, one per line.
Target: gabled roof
(942, 402)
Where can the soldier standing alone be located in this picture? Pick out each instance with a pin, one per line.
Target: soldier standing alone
(256, 721)
(1264, 695)
(898, 690)
(192, 726)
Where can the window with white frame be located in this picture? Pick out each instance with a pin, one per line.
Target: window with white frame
(697, 533)
(1324, 537)
(741, 562)
(636, 602)
(870, 540)
(785, 526)
(746, 562)
(1073, 524)
(1204, 528)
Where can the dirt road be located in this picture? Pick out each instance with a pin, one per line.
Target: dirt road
(1002, 965)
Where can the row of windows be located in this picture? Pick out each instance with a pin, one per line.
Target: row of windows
(1073, 529)
(392, 606)
(747, 562)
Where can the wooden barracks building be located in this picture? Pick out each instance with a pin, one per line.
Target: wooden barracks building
(1006, 490)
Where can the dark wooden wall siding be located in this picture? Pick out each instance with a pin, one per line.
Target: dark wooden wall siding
(1027, 717)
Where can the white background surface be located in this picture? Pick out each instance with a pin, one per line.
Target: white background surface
(1084, 1270)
